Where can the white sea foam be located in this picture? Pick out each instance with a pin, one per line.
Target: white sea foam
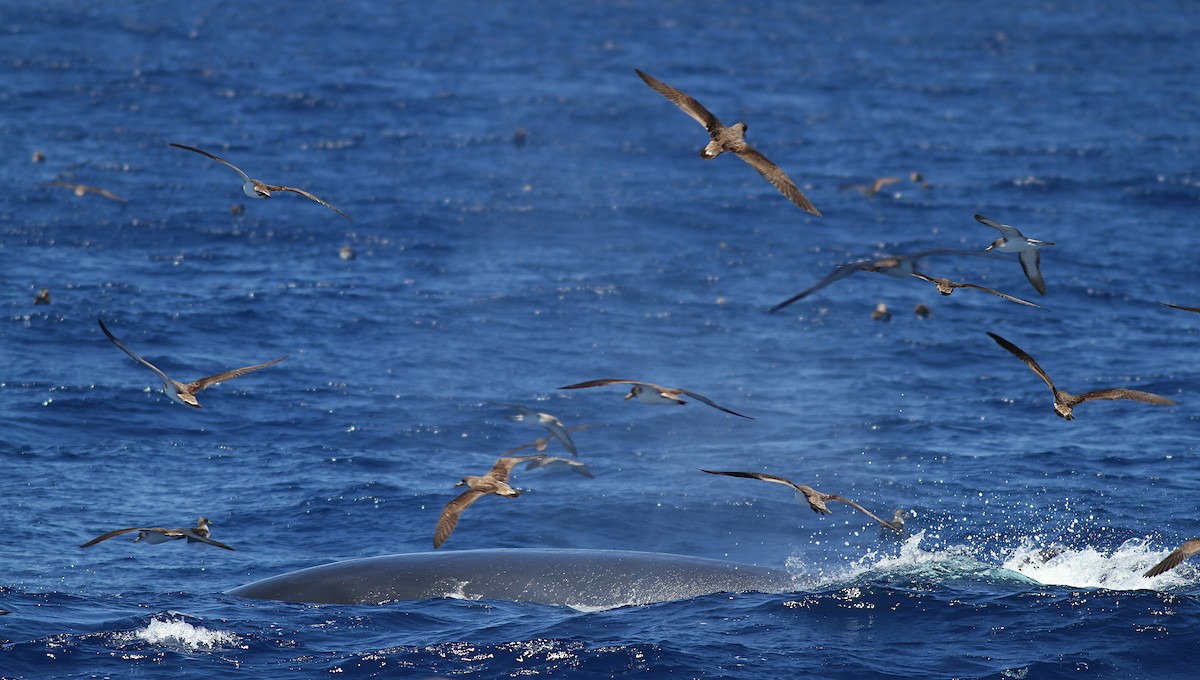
(1119, 569)
(1033, 562)
(180, 633)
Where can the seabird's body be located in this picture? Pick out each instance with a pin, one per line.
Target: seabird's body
(816, 499)
(156, 535)
(494, 482)
(543, 443)
(874, 187)
(1064, 401)
(533, 418)
(649, 393)
(732, 139)
(256, 189)
(82, 190)
(558, 461)
(185, 393)
(946, 287)
(1013, 241)
(898, 267)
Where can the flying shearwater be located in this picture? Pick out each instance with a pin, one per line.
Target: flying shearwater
(185, 394)
(533, 418)
(946, 287)
(256, 189)
(650, 393)
(874, 187)
(82, 190)
(1065, 401)
(1013, 241)
(730, 139)
(899, 267)
(817, 500)
(558, 461)
(494, 482)
(155, 535)
(1176, 557)
(540, 445)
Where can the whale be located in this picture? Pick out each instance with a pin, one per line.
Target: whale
(582, 579)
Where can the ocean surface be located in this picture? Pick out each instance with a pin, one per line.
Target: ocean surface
(528, 214)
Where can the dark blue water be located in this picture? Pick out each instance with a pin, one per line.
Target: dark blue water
(494, 265)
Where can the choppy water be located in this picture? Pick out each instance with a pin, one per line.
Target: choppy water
(495, 266)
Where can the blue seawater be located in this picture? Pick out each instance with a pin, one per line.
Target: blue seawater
(527, 214)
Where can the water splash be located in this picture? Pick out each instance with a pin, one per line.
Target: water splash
(1120, 569)
(177, 632)
(1033, 562)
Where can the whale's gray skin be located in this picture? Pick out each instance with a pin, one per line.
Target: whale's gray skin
(578, 578)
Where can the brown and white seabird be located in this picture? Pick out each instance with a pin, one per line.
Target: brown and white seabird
(534, 418)
(155, 535)
(1013, 241)
(649, 393)
(576, 466)
(185, 394)
(898, 266)
(494, 482)
(946, 287)
(82, 190)
(732, 139)
(874, 187)
(1065, 401)
(256, 189)
(543, 443)
(817, 500)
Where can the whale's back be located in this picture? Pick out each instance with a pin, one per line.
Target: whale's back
(578, 578)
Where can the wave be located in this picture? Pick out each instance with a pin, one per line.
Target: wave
(1032, 563)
